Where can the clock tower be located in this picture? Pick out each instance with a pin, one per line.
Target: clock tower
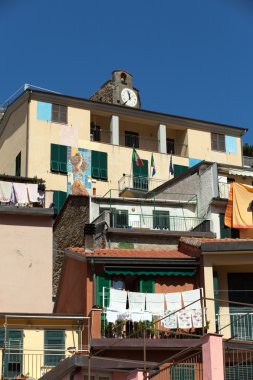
(119, 90)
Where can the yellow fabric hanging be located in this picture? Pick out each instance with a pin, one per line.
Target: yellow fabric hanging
(238, 213)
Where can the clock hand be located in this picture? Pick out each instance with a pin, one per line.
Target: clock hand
(129, 95)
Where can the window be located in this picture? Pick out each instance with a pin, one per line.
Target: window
(132, 139)
(161, 220)
(95, 132)
(58, 158)
(18, 165)
(121, 218)
(170, 146)
(54, 346)
(59, 113)
(218, 142)
(227, 232)
(99, 165)
(59, 198)
(179, 169)
(118, 283)
(140, 176)
(13, 353)
(103, 283)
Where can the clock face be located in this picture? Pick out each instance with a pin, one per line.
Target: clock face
(129, 97)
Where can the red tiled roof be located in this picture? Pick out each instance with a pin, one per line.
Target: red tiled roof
(173, 254)
(197, 242)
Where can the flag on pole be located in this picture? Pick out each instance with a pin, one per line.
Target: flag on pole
(153, 165)
(136, 158)
(171, 165)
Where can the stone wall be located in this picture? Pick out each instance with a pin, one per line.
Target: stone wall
(104, 94)
(69, 231)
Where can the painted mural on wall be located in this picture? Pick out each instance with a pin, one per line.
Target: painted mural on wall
(79, 171)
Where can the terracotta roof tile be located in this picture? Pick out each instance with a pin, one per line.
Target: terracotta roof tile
(197, 242)
(173, 254)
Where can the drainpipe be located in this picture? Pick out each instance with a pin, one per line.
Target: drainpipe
(27, 135)
(89, 243)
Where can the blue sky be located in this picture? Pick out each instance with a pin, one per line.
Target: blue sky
(189, 58)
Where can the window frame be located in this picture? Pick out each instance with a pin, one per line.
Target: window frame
(161, 220)
(95, 132)
(51, 358)
(172, 142)
(132, 139)
(218, 142)
(62, 114)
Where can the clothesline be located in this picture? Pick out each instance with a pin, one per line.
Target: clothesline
(19, 193)
(181, 309)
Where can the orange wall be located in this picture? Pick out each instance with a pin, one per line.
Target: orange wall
(71, 292)
(173, 284)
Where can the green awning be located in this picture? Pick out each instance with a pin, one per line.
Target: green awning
(151, 271)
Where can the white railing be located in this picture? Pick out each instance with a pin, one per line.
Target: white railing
(241, 324)
(224, 189)
(158, 222)
(32, 365)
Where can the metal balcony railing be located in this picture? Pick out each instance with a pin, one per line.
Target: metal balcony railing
(143, 184)
(121, 219)
(248, 161)
(241, 323)
(33, 365)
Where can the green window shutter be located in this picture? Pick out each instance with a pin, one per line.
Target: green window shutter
(54, 346)
(102, 281)
(121, 219)
(161, 220)
(54, 158)
(18, 165)
(147, 285)
(179, 169)
(103, 165)
(63, 152)
(13, 354)
(226, 232)
(95, 164)
(59, 158)
(59, 198)
(99, 165)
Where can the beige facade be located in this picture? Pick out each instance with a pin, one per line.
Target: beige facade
(34, 354)
(223, 263)
(26, 259)
(22, 130)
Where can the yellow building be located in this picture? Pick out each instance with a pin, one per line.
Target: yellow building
(32, 344)
(78, 145)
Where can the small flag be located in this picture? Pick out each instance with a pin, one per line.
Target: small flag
(153, 165)
(171, 165)
(136, 158)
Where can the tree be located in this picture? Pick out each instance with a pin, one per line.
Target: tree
(247, 150)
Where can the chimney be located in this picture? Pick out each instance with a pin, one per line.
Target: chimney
(89, 237)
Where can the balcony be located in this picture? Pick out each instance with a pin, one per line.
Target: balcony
(240, 323)
(139, 134)
(157, 221)
(224, 189)
(138, 185)
(248, 161)
(17, 361)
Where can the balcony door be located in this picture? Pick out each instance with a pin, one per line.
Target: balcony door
(13, 355)
(240, 289)
(140, 176)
